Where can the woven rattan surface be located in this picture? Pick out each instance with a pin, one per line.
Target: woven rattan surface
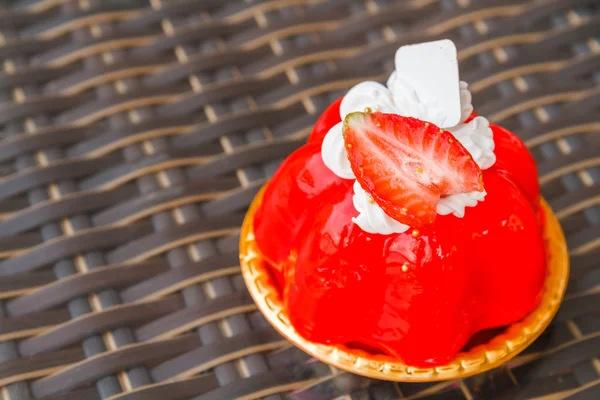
(134, 135)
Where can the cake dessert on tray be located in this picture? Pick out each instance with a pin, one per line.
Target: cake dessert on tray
(407, 239)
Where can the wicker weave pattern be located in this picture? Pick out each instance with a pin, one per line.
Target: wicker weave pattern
(134, 134)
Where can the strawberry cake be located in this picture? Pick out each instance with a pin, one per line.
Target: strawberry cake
(401, 223)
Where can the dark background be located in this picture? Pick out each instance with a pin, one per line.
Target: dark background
(134, 135)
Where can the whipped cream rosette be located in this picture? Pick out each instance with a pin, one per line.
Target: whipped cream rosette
(400, 96)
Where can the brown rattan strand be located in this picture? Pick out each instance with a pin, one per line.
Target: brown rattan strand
(135, 133)
(58, 292)
(78, 328)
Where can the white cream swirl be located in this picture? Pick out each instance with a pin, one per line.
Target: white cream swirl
(466, 106)
(457, 203)
(334, 154)
(371, 218)
(399, 97)
(477, 137)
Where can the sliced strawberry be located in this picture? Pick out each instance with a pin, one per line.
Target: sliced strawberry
(329, 118)
(407, 165)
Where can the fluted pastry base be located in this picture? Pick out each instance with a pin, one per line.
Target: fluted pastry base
(492, 354)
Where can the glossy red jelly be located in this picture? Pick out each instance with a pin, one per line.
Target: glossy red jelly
(418, 296)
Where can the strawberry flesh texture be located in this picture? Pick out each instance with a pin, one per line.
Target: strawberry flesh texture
(406, 165)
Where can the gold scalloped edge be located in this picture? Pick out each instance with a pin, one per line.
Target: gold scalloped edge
(496, 352)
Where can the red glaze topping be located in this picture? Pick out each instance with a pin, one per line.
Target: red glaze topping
(514, 160)
(299, 181)
(419, 295)
(329, 118)
(471, 117)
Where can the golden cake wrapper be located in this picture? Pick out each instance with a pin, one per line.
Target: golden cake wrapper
(481, 358)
